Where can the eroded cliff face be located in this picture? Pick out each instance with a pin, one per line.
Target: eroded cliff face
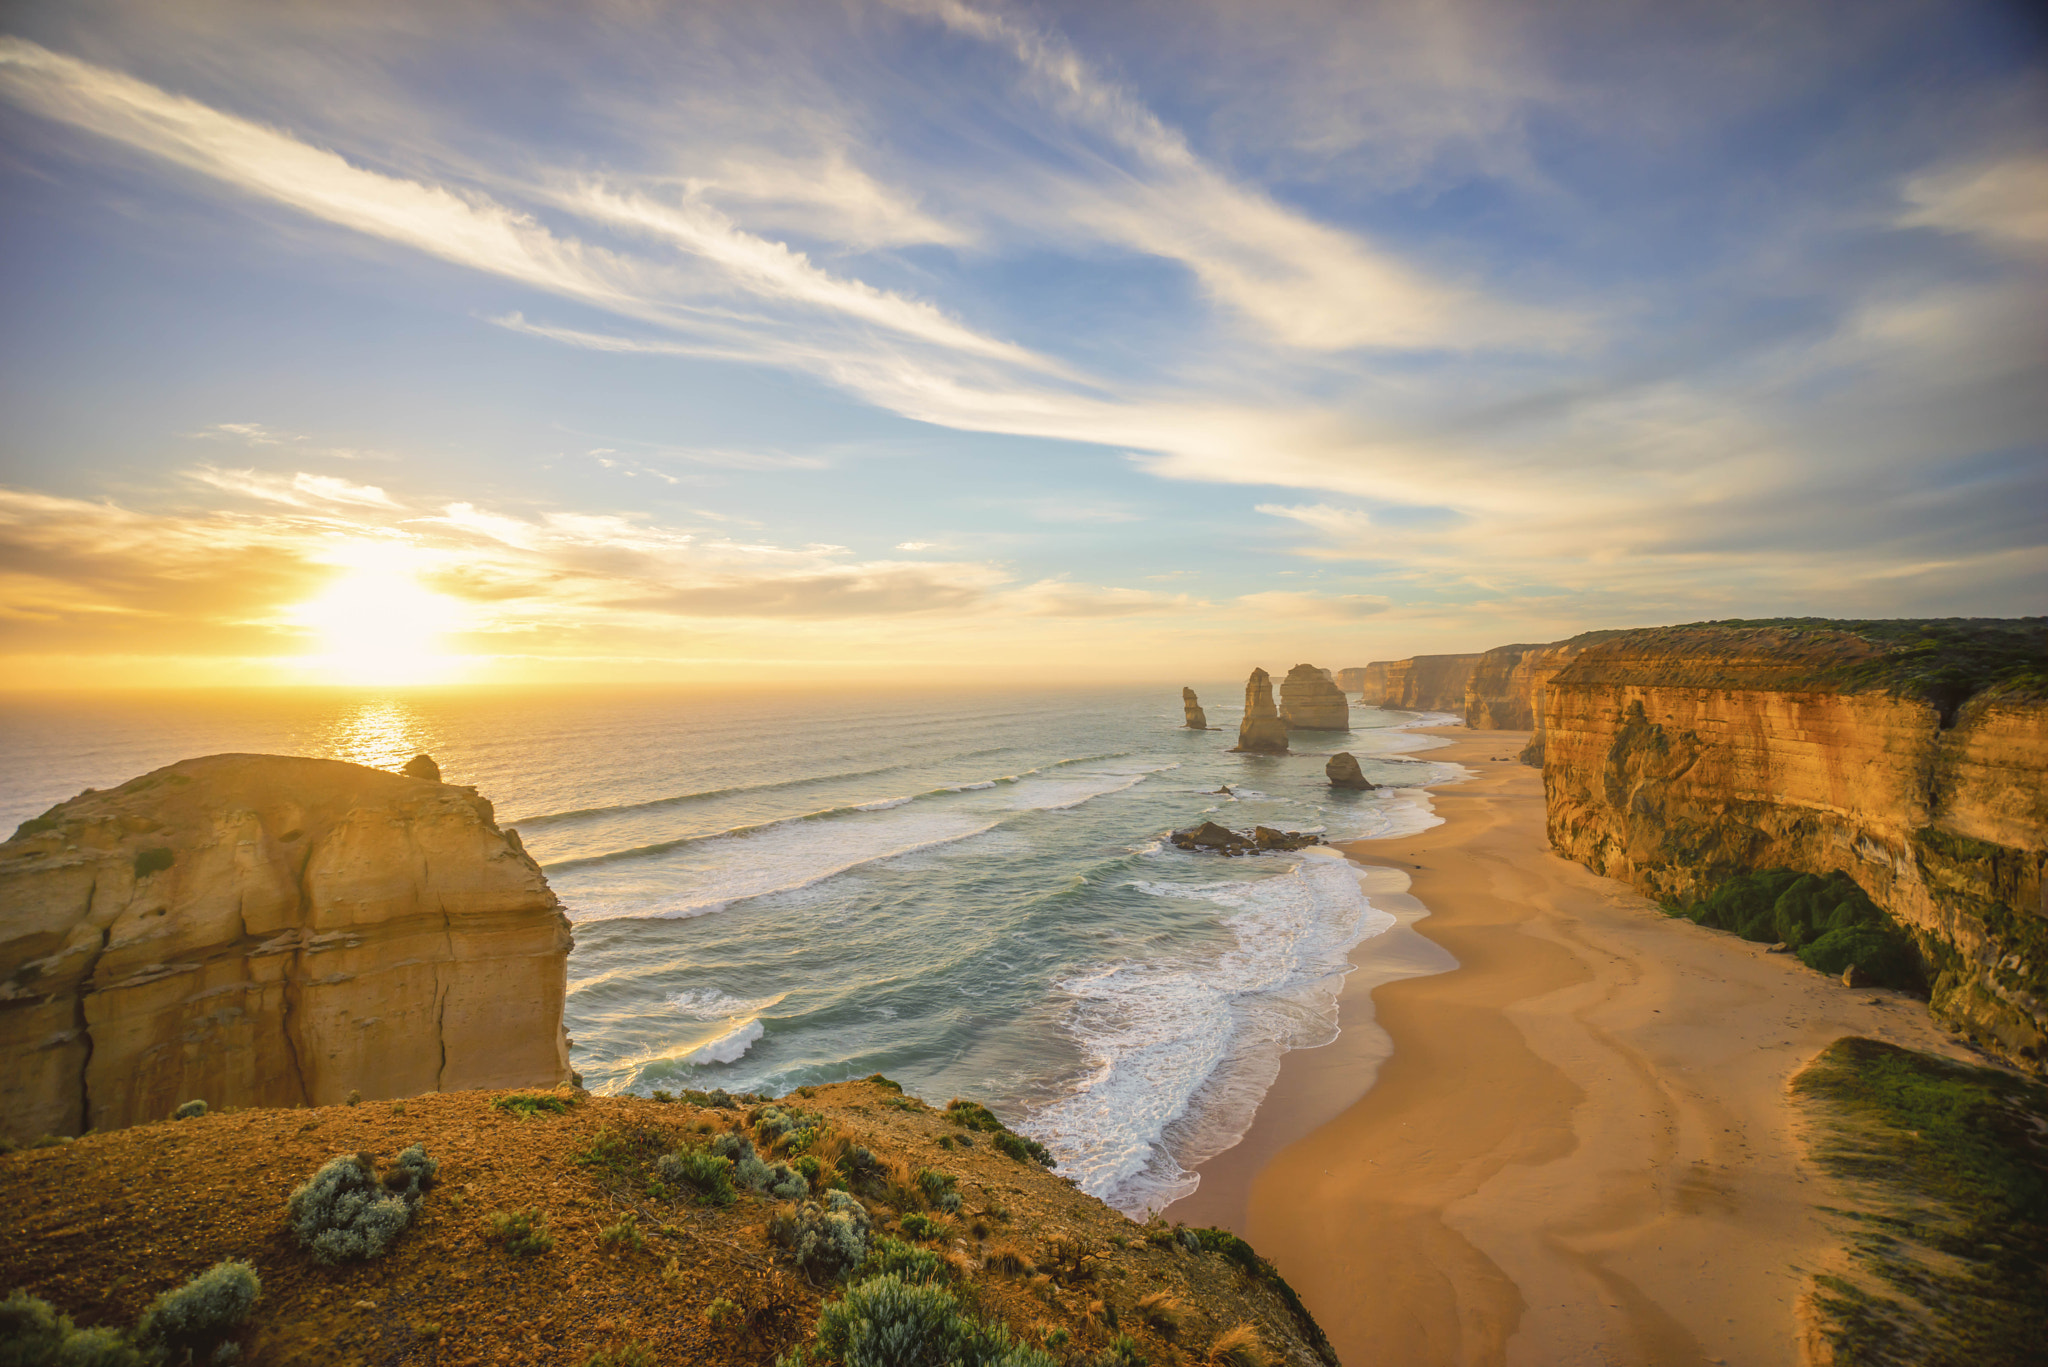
(1311, 701)
(1677, 758)
(1504, 691)
(1191, 709)
(256, 930)
(1423, 683)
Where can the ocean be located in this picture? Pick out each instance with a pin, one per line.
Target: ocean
(967, 892)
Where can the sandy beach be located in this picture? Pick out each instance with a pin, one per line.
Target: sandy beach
(1555, 1127)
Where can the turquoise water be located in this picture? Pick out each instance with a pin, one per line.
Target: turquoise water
(968, 893)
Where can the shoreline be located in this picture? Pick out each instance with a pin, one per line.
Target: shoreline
(1553, 1127)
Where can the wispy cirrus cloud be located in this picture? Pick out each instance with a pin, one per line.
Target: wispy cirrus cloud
(301, 490)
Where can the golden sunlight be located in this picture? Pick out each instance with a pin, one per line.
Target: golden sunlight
(377, 625)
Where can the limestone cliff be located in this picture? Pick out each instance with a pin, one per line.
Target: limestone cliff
(1423, 683)
(1197, 720)
(1355, 679)
(1913, 757)
(254, 930)
(1310, 701)
(1505, 689)
(1262, 731)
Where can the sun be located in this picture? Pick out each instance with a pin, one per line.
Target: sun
(377, 624)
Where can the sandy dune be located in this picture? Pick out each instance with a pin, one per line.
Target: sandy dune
(1572, 1147)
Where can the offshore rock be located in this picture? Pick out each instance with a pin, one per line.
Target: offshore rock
(1223, 840)
(1343, 772)
(255, 930)
(1311, 701)
(1266, 838)
(1197, 721)
(1263, 731)
(422, 766)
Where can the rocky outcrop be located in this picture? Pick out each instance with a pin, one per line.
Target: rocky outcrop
(1676, 758)
(1196, 719)
(1504, 692)
(1343, 772)
(1311, 701)
(1423, 683)
(422, 766)
(1262, 731)
(254, 930)
(1222, 840)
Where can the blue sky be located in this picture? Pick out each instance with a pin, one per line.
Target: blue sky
(1004, 340)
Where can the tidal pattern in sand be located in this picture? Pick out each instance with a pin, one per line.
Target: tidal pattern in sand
(967, 893)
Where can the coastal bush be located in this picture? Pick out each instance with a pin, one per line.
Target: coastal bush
(828, 1237)
(1123, 1351)
(708, 1173)
(920, 1226)
(896, 1258)
(523, 1233)
(526, 1105)
(664, 1097)
(972, 1115)
(1828, 921)
(786, 1130)
(34, 1334)
(778, 1180)
(190, 1110)
(344, 1212)
(881, 1081)
(885, 1321)
(733, 1146)
(203, 1311)
(938, 1189)
(622, 1237)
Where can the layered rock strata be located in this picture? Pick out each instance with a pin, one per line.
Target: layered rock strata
(1343, 772)
(1354, 680)
(1422, 683)
(254, 930)
(1197, 720)
(1263, 731)
(1677, 758)
(1311, 701)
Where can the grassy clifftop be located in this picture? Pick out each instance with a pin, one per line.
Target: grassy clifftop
(615, 1231)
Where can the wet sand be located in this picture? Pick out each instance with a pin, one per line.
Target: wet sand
(1554, 1129)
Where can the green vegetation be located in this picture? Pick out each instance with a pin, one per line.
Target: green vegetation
(523, 1233)
(972, 1115)
(346, 1211)
(896, 1258)
(192, 1323)
(1951, 1262)
(828, 1238)
(1945, 661)
(153, 860)
(1829, 922)
(1247, 1260)
(526, 1105)
(886, 1319)
(706, 1173)
(190, 1110)
(623, 1237)
(202, 1313)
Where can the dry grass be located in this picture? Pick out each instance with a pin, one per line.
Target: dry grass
(1167, 1316)
(1240, 1346)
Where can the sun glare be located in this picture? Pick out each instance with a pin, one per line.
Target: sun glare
(378, 625)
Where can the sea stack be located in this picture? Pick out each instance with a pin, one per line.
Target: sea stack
(256, 930)
(1311, 701)
(1197, 721)
(1343, 772)
(1262, 732)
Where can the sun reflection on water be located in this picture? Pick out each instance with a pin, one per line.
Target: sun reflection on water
(382, 733)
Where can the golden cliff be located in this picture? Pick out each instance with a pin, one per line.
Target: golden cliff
(1262, 731)
(1423, 683)
(1913, 757)
(254, 930)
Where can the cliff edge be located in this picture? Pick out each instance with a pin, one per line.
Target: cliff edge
(257, 930)
(1912, 756)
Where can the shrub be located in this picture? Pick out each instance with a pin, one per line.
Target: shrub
(1166, 1315)
(779, 1180)
(881, 1081)
(722, 1315)
(190, 1110)
(526, 1105)
(885, 1321)
(733, 1145)
(937, 1188)
(708, 1173)
(33, 1334)
(972, 1115)
(622, 1237)
(893, 1257)
(204, 1310)
(786, 1130)
(1004, 1258)
(342, 1212)
(918, 1226)
(1829, 922)
(1239, 1346)
(663, 1097)
(827, 1238)
(861, 1167)
(154, 860)
(354, 1098)
(524, 1233)
(1123, 1351)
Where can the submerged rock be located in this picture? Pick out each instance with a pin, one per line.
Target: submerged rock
(1262, 732)
(1311, 701)
(1197, 720)
(1343, 772)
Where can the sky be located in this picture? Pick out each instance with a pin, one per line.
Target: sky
(972, 340)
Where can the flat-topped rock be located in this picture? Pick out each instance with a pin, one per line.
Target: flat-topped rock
(259, 930)
(1311, 701)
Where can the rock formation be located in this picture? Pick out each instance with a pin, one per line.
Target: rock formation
(1223, 840)
(1423, 683)
(1676, 758)
(1262, 731)
(1343, 772)
(1353, 680)
(1311, 701)
(254, 930)
(1196, 720)
(422, 766)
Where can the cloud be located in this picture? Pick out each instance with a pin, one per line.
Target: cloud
(1342, 607)
(915, 545)
(301, 490)
(253, 433)
(2003, 202)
